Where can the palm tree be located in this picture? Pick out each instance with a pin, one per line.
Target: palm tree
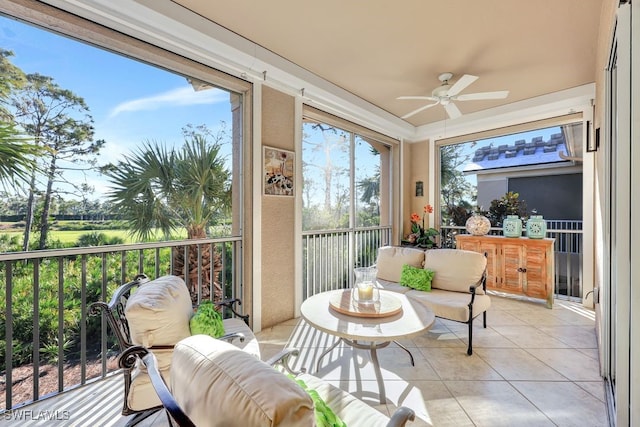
(156, 188)
(16, 155)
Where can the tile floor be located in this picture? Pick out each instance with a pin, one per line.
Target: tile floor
(531, 367)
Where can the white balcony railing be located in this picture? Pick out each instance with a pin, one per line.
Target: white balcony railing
(329, 256)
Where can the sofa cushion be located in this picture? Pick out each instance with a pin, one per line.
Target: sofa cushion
(392, 258)
(325, 417)
(451, 305)
(218, 384)
(391, 286)
(352, 411)
(158, 312)
(455, 270)
(416, 278)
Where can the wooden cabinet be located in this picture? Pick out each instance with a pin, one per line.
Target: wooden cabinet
(515, 265)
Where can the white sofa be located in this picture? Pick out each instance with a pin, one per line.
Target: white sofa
(458, 288)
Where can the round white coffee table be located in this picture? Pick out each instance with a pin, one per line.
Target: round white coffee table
(378, 332)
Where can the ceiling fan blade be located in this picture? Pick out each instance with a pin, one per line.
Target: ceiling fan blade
(429, 98)
(452, 110)
(483, 95)
(461, 84)
(414, 112)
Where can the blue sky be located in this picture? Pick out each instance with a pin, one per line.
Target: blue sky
(130, 101)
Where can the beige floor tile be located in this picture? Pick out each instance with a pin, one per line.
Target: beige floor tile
(486, 338)
(438, 337)
(453, 364)
(593, 353)
(529, 337)
(565, 403)
(575, 336)
(571, 363)
(502, 318)
(496, 404)
(517, 364)
(595, 388)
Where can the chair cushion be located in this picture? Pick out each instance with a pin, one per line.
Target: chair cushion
(218, 384)
(142, 395)
(451, 305)
(158, 313)
(352, 411)
(455, 270)
(392, 258)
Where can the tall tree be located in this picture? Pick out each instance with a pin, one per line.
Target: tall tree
(59, 121)
(333, 139)
(11, 79)
(173, 189)
(455, 191)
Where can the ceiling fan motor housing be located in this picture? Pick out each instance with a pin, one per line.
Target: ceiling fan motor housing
(441, 91)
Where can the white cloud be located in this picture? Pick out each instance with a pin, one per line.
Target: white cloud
(173, 98)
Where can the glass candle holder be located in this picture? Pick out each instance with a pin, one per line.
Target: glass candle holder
(365, 290)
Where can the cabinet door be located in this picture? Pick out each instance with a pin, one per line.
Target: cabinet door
(512, 267)
(535, 283)
(484, 247)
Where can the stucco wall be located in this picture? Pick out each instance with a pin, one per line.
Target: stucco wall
(278, 215)
(417, 160)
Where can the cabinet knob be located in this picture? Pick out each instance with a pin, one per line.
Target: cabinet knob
(522, 270)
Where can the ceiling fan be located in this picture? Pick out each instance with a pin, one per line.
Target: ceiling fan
(445, 93)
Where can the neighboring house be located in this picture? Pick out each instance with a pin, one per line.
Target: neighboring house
(544, 171)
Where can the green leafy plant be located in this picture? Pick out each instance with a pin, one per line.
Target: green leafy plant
(509, 204)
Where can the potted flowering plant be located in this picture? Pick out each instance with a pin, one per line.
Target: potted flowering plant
(420, 236)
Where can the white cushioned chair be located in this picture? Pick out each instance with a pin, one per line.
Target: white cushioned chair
(155, 314)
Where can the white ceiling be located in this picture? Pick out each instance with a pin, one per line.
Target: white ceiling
(378, 52)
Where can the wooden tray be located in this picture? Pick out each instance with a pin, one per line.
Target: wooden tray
(343, 303)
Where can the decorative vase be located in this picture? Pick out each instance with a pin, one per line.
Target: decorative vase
(512, 226)
(478, 225)
(536, 227)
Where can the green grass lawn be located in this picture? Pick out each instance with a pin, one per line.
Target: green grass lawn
(71, 236)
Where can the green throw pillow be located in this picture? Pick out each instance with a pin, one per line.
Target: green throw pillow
(416, 278)
(325, 417)
(207, 321)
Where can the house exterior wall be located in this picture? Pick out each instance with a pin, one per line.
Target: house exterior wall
(553, 196)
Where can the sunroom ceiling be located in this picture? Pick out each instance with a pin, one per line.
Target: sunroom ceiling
(381, 50)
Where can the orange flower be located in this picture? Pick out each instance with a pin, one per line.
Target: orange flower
(415, 217)
(428, 209)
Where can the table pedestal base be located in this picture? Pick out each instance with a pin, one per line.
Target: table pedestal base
(373, 348)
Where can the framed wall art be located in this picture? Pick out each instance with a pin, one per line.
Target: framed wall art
(279, 172)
